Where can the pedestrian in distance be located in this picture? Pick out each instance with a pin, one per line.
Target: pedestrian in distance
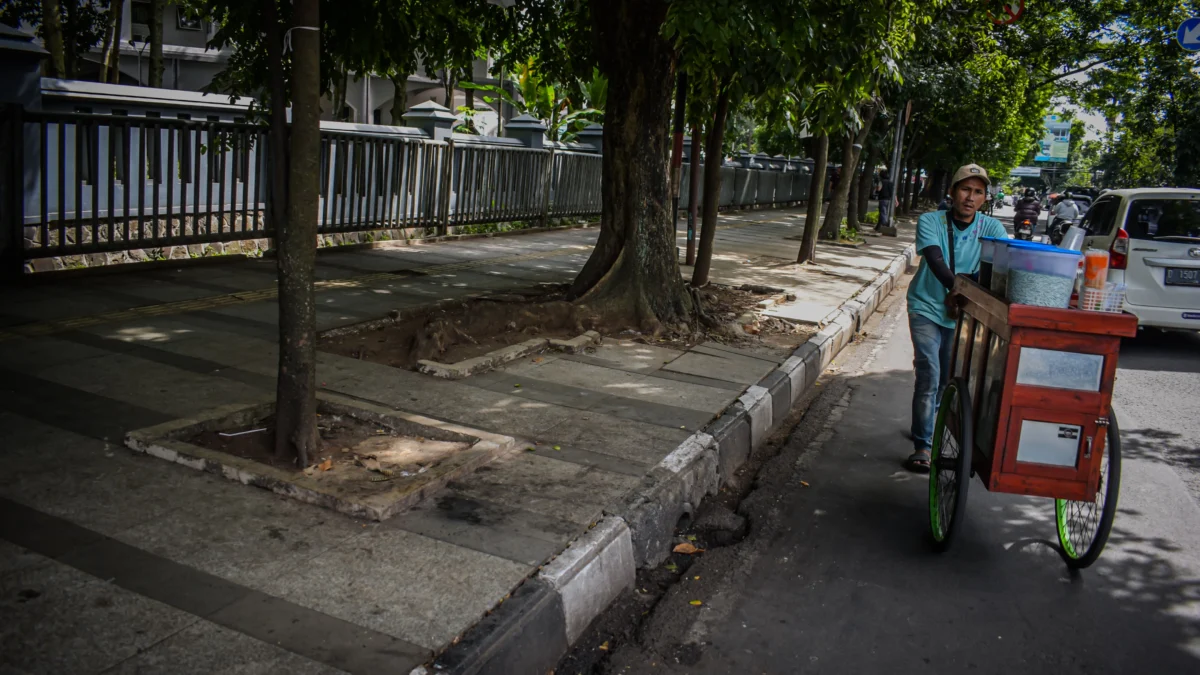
(948, 242)
(886, 192)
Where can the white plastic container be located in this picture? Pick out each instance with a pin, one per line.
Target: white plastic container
(1040, 275)
(1073, 239)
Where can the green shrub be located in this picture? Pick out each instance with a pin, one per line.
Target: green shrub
(871, 217)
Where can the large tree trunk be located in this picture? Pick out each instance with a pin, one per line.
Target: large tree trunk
(816, 197)
(52, 36)
(632, 276)
(112, 41)
(850, 152)
(156, 42)
(296, 393)
(712, 188)
(399, 99)
(866, 181)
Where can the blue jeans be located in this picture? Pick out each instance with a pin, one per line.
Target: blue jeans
(885, 212)
(932, 344)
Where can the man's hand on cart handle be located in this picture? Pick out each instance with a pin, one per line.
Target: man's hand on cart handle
(954, 303)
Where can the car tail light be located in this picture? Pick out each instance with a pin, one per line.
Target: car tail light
(1118, 254)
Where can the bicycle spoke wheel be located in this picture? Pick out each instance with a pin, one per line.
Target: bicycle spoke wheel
(950, 464)
(1083, 527)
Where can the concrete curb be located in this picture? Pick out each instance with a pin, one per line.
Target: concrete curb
(531, 631)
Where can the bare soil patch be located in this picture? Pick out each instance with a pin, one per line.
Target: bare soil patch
(478, 327)
(360, 457)
(473, 328)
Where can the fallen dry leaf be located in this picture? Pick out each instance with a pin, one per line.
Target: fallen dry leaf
(326, 465)
(604, 647)
(695, 603)
(804, 483)
(687, 548)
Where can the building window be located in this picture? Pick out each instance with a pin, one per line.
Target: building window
(185, 22)
(140, 11)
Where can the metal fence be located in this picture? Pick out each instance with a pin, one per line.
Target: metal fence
(99, 183)
(95, 183)
(112, 182)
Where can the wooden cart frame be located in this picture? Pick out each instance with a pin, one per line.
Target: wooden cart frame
(1030, 430)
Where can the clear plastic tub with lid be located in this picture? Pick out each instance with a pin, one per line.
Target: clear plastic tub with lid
(987, 250)
(998, 283)
(1041, 275)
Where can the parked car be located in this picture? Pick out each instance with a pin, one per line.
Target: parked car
(1153, 238)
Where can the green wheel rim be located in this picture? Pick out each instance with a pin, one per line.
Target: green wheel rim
(1079, 522)
(943, 488)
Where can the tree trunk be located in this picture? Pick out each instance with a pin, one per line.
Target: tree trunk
(850, 152)
(712, 188)
(816, 189)
(852, 199)
(632, 276)
(112, 41)
(296, 393)
(450, 83)
(71, 29)
(52, 37)
(693, 194)
(935, 182)
(156, 42)
(866, 181)
(909, 176)
(469, 104)
(399, 99)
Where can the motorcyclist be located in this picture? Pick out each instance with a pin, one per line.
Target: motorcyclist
(1063, 215)
(1065, 208)
(1028, 208)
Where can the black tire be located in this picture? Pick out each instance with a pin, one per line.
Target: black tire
(1083, 527)
(950, 464)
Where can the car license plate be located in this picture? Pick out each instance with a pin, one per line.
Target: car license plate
(1183, 276)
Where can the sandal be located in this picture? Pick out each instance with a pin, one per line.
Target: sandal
(918, 462)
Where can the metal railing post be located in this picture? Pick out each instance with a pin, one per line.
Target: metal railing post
(12, 185)
(444, 219)
(547, 180)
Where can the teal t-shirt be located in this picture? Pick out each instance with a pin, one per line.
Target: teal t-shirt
(927, 295)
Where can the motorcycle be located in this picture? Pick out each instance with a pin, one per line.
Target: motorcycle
(1024, 229)
(1058, 229)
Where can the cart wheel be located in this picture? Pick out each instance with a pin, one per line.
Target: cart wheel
(1083, 527)
(950, 464)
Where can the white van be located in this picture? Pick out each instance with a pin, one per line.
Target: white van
(1153, 238)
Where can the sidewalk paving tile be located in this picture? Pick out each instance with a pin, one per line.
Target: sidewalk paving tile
(547, 486)
(60, 620)
(204, 648)
(730, 367)
(402, 584)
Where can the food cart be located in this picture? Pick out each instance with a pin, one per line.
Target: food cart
(1028, 409)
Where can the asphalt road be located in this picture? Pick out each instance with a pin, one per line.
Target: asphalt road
(837, 577)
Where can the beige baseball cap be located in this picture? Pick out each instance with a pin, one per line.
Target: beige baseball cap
(970, 171)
